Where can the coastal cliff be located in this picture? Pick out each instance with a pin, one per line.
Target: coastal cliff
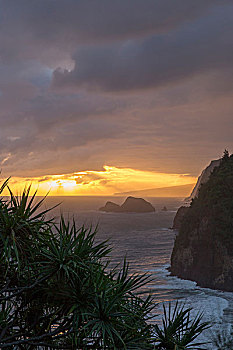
(203, 248)
(203, 178)
(179, 217)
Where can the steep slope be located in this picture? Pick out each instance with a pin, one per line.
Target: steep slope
(179, 217)
(203, 178)
(203, 249)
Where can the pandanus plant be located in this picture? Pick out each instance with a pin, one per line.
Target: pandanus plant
(57, 290)
(179, 329)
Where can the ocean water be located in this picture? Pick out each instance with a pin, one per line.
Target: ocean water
(147, 240)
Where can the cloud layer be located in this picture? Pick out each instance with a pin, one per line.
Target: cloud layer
(157, 60)
(104, 182)
(139, 84)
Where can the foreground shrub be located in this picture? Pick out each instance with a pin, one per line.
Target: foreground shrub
(58, 292)
(179, 330)
(223, 340)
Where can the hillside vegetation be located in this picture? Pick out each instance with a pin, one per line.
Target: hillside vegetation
(203, 249)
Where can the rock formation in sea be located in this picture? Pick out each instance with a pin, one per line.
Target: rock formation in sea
(130, 205)
(203, 248)
(111, 207)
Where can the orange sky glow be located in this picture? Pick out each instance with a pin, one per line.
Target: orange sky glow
(106, 182)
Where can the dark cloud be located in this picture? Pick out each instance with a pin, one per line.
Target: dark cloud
(56, 25)
(143, 84)
(158, 60)
(50, 110)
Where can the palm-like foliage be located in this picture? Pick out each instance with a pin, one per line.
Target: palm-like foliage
(57, 290)
(223, 340)
(179, 330)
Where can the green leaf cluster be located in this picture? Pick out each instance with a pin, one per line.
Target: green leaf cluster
(214, 202)
(223, 340)
(179, 330)
(57, 290)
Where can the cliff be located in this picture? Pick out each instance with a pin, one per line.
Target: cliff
(130, 205)
(179, 217)
(203, 248)
(203, 178)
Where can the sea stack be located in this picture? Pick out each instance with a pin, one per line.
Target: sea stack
(130, 205)
(111, 207)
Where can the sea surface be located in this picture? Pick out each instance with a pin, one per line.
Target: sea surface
(147, 240)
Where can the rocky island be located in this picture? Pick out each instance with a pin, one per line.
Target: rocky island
(130, 205)
(203, 248)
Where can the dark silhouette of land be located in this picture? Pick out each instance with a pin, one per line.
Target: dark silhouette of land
(172, 191)
(130, 205)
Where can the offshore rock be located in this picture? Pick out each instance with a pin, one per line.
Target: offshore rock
(136, 205)
(131, 205)
(111, 207)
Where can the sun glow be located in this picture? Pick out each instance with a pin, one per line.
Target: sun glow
(66, 184)
(105, 182)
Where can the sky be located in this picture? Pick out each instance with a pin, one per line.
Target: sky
(98, 97)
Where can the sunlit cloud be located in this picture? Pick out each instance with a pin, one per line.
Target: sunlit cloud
(104, 182)
(141, 85)
(5, 159)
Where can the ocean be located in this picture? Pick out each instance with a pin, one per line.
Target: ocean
(146, 240)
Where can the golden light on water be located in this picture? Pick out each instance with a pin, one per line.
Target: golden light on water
(108, 181)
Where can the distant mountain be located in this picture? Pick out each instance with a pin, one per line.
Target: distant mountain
(203, 178)
(172, 191)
